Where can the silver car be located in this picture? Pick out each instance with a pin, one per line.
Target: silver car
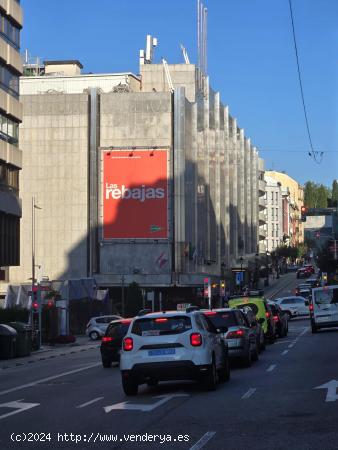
(241, 339)
(97, 326)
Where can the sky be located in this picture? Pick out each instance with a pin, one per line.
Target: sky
(251, 62)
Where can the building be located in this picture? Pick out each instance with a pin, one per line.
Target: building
(296, 201)
(274, 214)
(137, 180)
(10, 117)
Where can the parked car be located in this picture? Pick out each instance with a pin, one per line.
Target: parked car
(97, 326)
(111, 342)
(313, 281)
(261, 310)
(294, 306)
(173, 345)
(235, 329)
(304, 272)
(280, 318)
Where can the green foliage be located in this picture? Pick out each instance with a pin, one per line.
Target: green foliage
(325, 261)
(15, 314)
(317, 195)
(335, 193)
(134, 300)
(285, 251)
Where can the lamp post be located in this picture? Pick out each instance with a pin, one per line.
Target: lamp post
(267, 269)
(122, 297)
(34, 207)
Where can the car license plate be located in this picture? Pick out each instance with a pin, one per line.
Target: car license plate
(323, 319)
(161, 352)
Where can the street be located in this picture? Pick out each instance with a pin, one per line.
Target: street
(72, 402)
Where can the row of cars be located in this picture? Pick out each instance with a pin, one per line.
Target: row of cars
(192, 344)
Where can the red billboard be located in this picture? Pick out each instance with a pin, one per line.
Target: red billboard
(135, 194)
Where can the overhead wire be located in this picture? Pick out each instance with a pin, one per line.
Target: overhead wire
(317, 156)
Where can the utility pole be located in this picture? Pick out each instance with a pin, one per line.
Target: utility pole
(122, 286)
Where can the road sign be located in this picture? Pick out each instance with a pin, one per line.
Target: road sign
(239, 277)
(145, 407)
(331, 387)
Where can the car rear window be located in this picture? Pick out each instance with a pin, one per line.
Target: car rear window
(159, 326)
(253, 306)
(223, 319)
(118, 330)
(326, 296)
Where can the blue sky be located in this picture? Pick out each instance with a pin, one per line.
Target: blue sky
(251, 61)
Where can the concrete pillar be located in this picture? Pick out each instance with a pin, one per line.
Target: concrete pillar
(233, 167)
(240, 192)
(248, 196)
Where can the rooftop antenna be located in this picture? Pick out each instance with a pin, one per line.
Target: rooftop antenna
(146, 56)
(202, 18)
(185, 54)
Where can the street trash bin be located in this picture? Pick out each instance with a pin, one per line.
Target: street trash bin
(24, 340)
(8, 337)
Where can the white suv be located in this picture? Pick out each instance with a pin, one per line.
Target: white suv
(173, 345)
(97, 326)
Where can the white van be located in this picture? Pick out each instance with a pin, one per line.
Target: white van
(324, 307)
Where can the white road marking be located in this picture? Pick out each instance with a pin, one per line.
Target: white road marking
(285, 352)
(331, 387)
(141, 406)
(249, 393)
(18, 405)
(204, 439)
(271, 368)
(291, 345)
(43, 380)
(282, 342)
(90, 402)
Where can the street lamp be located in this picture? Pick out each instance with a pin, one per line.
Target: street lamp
(267, 269)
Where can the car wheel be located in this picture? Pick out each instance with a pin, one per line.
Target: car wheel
(152, 382)
(314, 329)
(288, 315)
(255, 356)
(272, 339)
(210, 379)
(224, 373)
(94, 335)
(130, 385)
(106, 363)
(247, 360)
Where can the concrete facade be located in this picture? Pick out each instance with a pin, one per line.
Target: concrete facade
(274, 214)
(215, 181)
(10, 117)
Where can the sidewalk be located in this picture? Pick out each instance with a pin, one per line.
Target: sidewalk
(278, 284)
(82, 344)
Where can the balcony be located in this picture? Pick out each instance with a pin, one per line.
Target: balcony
(262, 217)
(261, 186)
(262, 202)
(262, 233)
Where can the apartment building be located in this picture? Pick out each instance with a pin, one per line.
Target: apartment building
(10, 118)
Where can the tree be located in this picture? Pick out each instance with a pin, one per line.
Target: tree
(335, 193)
(310, 191)
(134, 300)
(322, 196)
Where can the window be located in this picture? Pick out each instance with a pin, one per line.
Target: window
(9, 81)
(272, 214)
(160, 326)
(276, 213)
(272, 197)
(276, 195)
(273, 230)
(277, 230)
(9, 31)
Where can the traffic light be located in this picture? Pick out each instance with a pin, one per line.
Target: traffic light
(222, 288)
(35, 306)
(303, 211)
(206, 287)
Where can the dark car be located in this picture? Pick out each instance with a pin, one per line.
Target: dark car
(310, 267)
(111, 342)
(304, 272)
(241, 339)
(280, 318)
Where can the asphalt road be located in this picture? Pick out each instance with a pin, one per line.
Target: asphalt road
(272, 405)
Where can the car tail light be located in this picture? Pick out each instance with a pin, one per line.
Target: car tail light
(235, 334)
(209, 313)
(275, 318)
(107, 339)
(161, 319)
(125, 322)
(196, 339)
(128, 344)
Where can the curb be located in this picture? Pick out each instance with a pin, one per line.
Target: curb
(43, 358)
